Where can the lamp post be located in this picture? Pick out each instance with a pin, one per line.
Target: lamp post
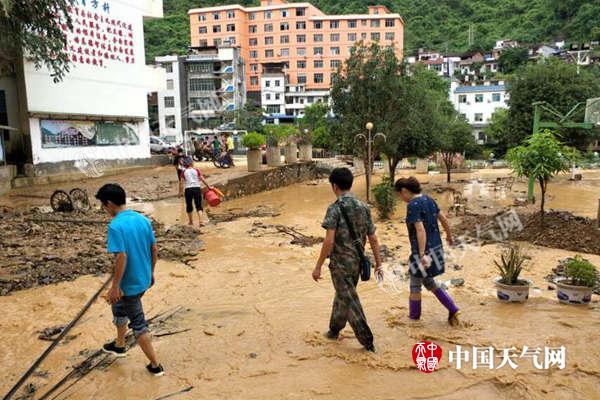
(369, 142)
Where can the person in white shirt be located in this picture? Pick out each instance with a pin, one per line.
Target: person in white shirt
(190, 180)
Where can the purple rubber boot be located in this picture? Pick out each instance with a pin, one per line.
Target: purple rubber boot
(414, 309)
(446, 300)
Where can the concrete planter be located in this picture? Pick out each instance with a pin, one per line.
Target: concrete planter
(291, 153)
(254, 158)
(512, 293)
(306, 152)
(273, 156)
(571, 294)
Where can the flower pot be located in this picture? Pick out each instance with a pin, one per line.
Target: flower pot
(291, 153)
(254, 158)
(512, 293)
(571, 294)
(273, 156)
(306, 152)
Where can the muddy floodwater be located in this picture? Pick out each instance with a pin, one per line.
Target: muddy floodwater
(253, 319)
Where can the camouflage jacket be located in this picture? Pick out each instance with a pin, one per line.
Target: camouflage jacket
(344, 254)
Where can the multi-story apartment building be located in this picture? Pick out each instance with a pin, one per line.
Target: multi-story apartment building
(201, 87)
(477, 103)
(296, 42)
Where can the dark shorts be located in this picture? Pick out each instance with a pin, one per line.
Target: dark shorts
(193, 194)
(129, 309)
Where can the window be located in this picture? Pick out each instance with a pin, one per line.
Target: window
(375, 36)
(276, 96)
(363, 22)
(284, 13)
(300, 38)
(268, 14)
(389, 36)
(479, 98)
(351, 23)
(169, 101)
(253, 67)
(268, 96)
(301, 64)
(254, 80)
(352, 37)
(283, 39)
(318, 63)
(334, 37)
(202, 30)
(202, 85)
(301, 79)
(481, 136)
(334, 24)
(285, 52)
(201, 68)
(301, 51)
(478, 117)
(335, 51)
(318, 51)
(318, 24)
(462, 98)
(268, 27)
(269, 53)
(374, 23)
(318, 37)
(231, 14)
(310, 99)
(334, 64)
(169, 84)
(203, 43)
(252, 29)
(216, 28)
(253, 54)
(170, 121)
(216, 42)
(363, 35)
(273, 109)
(216, 16)
(253, 41)
(318, 78)
(230, 27)
(252, 16)
(389, 23)
(495, 97)
(300, 12)
(267, 83)
(268, 39)
(301, 25)
(277, 82)
(168, 67)
(202, 17)
(284, 26)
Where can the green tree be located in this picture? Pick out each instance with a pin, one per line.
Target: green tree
(541, 157)
(456, 137)
(248, 118)
(316, 124)
(556, 82)
(512, 58)
(34, 28)
(497, 132)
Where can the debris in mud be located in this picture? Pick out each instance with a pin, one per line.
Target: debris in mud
(50, 333)
(298, 238)
(561, 230)
(559, 272)
(233, 214)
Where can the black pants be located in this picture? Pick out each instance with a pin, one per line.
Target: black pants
(193, 194)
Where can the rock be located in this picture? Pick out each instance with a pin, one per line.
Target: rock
(252, 355)
(457, 267)
(550, 287)
(457, 282)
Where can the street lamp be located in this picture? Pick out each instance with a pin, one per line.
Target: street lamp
(369, 142)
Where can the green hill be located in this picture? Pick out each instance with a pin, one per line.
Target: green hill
(434, 24)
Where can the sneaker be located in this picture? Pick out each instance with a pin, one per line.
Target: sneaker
(156, 371)
(113, 349)
(331, 335)
(453, 319)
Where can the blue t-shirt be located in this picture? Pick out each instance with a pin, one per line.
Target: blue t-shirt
(424, 209)
(131, 233)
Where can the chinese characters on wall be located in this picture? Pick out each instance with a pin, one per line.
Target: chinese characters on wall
(97, 37)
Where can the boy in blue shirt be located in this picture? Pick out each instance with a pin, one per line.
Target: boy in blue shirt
(427, 253)
(131, 239)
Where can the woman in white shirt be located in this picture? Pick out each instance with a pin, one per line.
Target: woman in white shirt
(190, 179)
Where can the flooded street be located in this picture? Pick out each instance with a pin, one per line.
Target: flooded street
(256, 318)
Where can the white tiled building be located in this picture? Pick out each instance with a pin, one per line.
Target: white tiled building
(477, 103)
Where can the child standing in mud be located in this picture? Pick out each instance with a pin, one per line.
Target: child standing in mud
(190, 179)
(131, 239)
(427, 253)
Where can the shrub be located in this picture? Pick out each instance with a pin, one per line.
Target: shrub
(580, 272)
(253, 140)
(385, 197)
(511, 265)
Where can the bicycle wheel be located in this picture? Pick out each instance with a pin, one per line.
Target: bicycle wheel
(79, 198)
(60, 201)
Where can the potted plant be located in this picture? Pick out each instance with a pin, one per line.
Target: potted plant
(291, 136)
(578, 284)
(305, 143)
(509, 287)
(252, 141)
(274, 135)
